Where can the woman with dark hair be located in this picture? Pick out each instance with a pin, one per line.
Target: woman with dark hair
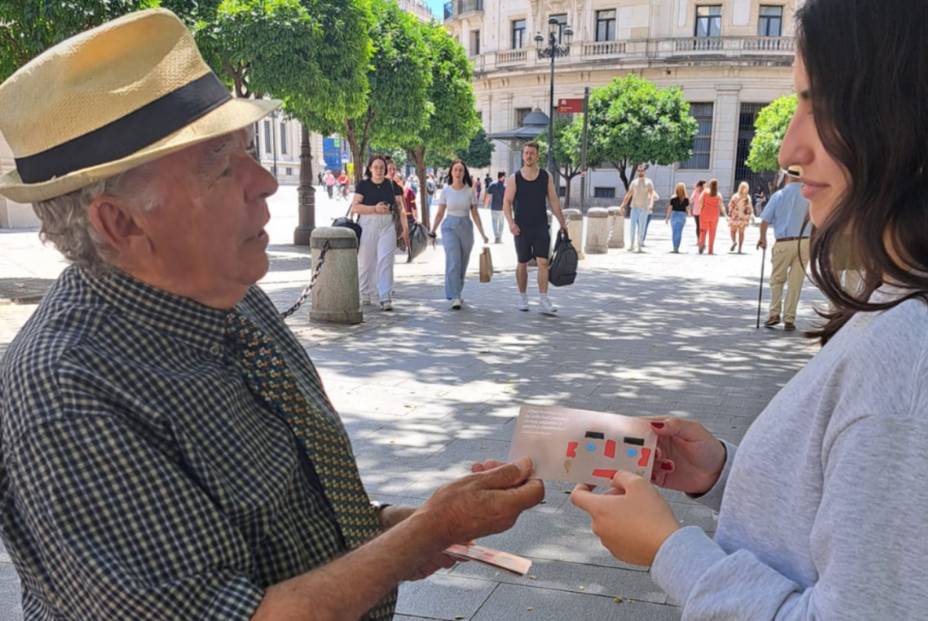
(379, 204)
(457, 233)
(822, 508)
(710, 207)
(677, 213)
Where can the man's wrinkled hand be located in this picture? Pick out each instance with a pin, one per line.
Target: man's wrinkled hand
(483, 503)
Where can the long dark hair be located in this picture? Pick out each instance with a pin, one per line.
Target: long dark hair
(868, 79)
(467, 178)
(373, 158)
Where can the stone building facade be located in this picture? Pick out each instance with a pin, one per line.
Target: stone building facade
(729, 57)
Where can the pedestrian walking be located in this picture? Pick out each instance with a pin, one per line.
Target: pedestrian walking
(821, 510)
(698, 189)
(457, 206)
(760, 199)
(477, 189)
(487, 182)
(494, 200)
(741, 215)
(378, 202)
(710, 208)
(329, 183)
(641, 194)
(786, 212)
(524, 208)
(677, 213)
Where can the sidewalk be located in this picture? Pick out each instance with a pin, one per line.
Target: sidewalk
(424, 391)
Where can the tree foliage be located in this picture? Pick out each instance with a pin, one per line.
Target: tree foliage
(399, 76)
(568, 138)
(769, 130)
(633, 122)
(451, 119)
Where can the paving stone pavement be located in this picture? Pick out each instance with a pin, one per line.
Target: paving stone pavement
(425, 391)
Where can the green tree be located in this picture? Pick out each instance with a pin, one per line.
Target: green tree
(399, 76)
(451, 120)
(769, 130)
(633, 122)
(478, 151)
(568, 137)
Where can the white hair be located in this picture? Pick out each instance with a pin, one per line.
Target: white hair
(66, 220)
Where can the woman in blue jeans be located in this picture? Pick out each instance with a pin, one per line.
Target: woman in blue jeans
(677, 214)
(457, 206)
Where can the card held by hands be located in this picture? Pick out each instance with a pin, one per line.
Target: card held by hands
(494, 558)
(581, 446)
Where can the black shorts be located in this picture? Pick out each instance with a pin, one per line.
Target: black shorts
(533, 243)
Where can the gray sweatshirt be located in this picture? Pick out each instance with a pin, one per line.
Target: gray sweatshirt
(822, 509)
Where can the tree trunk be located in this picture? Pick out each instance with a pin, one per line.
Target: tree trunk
(418, 156)
(359, 144)
(306, 193)
(567, 179)
(622, 174)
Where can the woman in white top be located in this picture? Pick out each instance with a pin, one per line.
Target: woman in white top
(457, 233)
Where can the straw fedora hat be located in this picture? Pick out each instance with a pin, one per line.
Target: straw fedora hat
(110, 99)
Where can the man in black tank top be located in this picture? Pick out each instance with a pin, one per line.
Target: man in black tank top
(524, 207)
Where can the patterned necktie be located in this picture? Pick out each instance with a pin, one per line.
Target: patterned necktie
(269, 378)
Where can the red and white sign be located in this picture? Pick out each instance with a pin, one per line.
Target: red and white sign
(568, 106)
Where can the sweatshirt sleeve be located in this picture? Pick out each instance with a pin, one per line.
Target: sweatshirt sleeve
(713, 498)
(867, 541)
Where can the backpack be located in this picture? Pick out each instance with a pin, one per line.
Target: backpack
(563, 268)
(430, 186)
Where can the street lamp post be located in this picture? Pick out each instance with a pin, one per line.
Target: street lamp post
(274, 141)
(554, 50)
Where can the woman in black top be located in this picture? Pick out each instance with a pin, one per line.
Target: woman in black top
(378, 202)
(677, 214)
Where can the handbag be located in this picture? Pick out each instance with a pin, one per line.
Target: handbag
(486, 265)
(563, 270)
(347, 222)
(418, 240)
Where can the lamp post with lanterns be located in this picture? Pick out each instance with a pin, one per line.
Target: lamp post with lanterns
(554, 50)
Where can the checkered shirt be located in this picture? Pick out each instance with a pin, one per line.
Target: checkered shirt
(140, 479)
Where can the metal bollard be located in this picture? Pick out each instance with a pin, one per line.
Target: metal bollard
(336, 298)
(575, 229)
(616, 228)
(597, 231)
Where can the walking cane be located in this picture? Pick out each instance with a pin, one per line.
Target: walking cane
(760, 293)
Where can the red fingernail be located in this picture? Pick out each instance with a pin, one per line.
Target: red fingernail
(666, 466)
(657, 425)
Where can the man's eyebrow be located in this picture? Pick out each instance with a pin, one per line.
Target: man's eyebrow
(214, 154)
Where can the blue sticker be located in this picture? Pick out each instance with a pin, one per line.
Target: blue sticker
(631, 452)
(591, 447)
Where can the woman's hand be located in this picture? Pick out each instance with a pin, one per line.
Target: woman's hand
(630, 518)
(486, 239)
(689, 458)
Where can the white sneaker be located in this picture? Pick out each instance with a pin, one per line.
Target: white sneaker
(523, 303)
(365, 299)
(546, 307)
(456, 303)
(631, 247)
(386, 303)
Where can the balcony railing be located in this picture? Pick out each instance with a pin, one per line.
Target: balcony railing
(512, 56)
(605, 48)
(456, 8)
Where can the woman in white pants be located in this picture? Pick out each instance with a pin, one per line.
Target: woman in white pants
(378, 202)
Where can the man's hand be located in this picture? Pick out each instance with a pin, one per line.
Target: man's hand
(630, 518)
(393, 515)
(762, 243)
(484, 503)
(688, 458)
(514, 229)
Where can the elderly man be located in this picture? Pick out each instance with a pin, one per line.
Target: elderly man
(168, 451)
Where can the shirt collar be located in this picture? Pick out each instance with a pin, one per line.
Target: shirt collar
(177, 316)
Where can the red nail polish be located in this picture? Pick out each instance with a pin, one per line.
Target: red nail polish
(657, 425)
(666, 466)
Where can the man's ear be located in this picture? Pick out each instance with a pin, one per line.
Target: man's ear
(112, 219)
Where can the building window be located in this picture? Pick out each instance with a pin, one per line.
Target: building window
(561, 25)
(474, 42)
(480, 116)
(771, 21)
(267, 136)
(708, 21)
(518, 34)
(289, 171)
(603, 192)
(283, 138)
(562, 191)
(702, 144)
(605, 25)
(521, 113)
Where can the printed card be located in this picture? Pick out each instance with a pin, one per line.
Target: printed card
(494, 558)
(581, 446)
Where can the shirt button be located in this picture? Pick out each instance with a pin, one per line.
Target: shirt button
(216, 349)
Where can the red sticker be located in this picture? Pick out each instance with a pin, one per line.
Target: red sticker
(572, 449)
(606, 474)
(645, 453)
(610, 449)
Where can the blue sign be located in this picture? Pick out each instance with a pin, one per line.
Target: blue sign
(345, 157)
(331, 153)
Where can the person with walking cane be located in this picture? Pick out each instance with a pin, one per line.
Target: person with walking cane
(787, 211)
